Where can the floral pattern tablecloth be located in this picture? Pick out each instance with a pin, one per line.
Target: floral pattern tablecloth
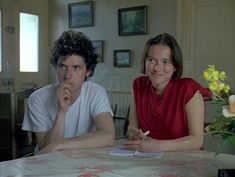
(98, 163)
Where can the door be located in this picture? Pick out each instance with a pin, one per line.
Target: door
(206, 31)
(10, 44)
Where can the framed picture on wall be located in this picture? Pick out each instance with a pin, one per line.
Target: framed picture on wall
(98, 45)
(132, 21)
(122, 58)
(81, 14)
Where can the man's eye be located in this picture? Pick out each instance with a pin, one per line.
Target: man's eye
(77, 67)
(61, 66)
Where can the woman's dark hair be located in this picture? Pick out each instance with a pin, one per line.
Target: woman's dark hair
(176, 54)
(74, 43)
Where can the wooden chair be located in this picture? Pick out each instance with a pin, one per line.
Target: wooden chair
(125, 119)
(22, 142)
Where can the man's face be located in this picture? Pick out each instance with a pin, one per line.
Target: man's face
(72, 69)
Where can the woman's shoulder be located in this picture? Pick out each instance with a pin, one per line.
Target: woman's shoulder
(141, 79)
(141, 84)
(190, 85)
(187, 82)
(184, 86)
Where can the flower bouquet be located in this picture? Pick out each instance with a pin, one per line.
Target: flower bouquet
(222, 126)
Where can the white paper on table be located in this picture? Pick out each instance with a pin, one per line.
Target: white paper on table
(121, 151)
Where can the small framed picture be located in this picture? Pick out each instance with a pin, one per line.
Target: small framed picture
(122, 58)
(98, 45)
(81, 14)
(132, 21)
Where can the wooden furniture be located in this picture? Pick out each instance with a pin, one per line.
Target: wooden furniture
(124, 120)
(5, 126)
(14, 142)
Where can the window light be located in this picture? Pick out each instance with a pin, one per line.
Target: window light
(29, 24)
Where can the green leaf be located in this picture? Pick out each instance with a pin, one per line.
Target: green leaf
(222, 147)
(231, 140)
(225, 144)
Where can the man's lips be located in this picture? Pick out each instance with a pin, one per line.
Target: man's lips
(68, 83)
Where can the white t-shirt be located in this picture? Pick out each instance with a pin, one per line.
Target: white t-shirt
(43, 107)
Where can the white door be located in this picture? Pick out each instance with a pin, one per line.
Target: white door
(10, 43)
(206, 31)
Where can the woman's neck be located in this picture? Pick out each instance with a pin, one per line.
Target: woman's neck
(160, 88)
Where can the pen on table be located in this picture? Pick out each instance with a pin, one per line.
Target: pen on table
(146, 133)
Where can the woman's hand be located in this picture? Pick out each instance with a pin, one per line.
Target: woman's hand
(139, 141)
(145, 145)
(135, 134)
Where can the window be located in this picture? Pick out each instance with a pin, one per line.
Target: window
(0, 40)
(28, 42)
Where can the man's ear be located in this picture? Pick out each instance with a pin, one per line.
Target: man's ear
(88, 73)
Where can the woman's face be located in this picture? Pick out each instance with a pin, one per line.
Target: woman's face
(159, 67)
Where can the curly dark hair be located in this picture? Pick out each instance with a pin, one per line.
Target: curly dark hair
(74, 43)
(176, 54)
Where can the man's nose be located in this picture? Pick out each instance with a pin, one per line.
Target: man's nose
(68, 73)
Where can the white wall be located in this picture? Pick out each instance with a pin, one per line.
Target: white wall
(161, 15)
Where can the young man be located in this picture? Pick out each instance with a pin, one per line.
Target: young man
(73, 113)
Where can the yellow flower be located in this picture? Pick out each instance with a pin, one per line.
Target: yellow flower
(211, 68)
(213, 85)
(221, 126)
(222, 75)
(221, 86)
(207, 76)
(211, 74)
(215, 75)
(226, 88)
(215, 79)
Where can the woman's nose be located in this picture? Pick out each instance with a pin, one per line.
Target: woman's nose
(157, 66)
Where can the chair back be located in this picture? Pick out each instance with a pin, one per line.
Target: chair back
(18, 100)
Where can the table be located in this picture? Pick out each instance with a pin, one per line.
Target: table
(98, 163)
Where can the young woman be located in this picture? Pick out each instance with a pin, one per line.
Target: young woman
(171, 108)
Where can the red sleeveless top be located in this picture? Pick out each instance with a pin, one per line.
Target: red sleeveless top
(165, 116)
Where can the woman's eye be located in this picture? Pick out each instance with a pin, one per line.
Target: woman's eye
(150, 59)
(166, 61)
